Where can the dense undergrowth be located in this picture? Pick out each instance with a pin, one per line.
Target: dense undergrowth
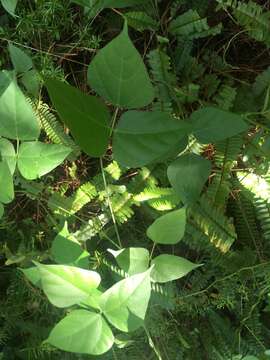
(199, 55)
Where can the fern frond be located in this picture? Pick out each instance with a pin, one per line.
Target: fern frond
(192, 26)
(161, 199)
(225, 97)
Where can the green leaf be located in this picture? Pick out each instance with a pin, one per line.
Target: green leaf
(132, 260)
(31, 82)
(82, 332)
(118, 74)
(67, 285)
(20, 60)
(86, 116)
(33, 275)
(125, 303)
(2, 210)
(170, 267)
(9, 6)
(6, 184)
(18, 120)
(8, 154)
(169, 228)
(67, 250)
(36, 159)
(211, 124)
(145, 137)
(188, 175)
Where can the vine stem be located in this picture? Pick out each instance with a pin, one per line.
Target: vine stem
(109, 202)
(114, 118)
(152, 344)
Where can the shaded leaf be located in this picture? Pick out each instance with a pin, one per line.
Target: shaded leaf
(8, 154)
(188, 175)
(6, 184)
(115, 68)
(36, 159)
(20, 60)
(169, 228)
(145, 137)
(86, 116)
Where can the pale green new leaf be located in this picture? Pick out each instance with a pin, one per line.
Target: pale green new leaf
(211, 124)
(119, 75)
(6, 184)
(86, 116)
(36, 159)
(10, 6)
(125, 303)
(169, 228)
(7, 153)
(170, 267)
(18, 120)
(67, 285)
(82, 332)
(188, 175)
(20, 60)
(146, 137)
(132, 260)
(67, 250)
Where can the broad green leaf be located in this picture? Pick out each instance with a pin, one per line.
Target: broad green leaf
(169, 228)
(33, 275)
(145, 137)
(212, 124)
(36, 159)
(67, 285)
(132, 260)
(10, 6)
(7, 153)
(17, 119)
(170, 267)
(82, 332)
(188, 175)
(67, 250)
(2, 210)
(31, 82)
(20, 60)
(6, 184)
(86, 116)
(93, 300)
(119, 75)
(125, 303)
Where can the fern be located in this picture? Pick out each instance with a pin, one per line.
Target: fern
(192, 26)
(252, 17)
(161, 199)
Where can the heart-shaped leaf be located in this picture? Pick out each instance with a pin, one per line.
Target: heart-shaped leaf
(18, 120)
(6, 184)
(188, 175)
(211, 124)
(82, 332)
(118, 74)
(8, 154)
(86, 116)
(67, 250)
(125, 303)
(33, 275)
(169, 228)
(67, 285)
(20, 60)
(36, 159)
(170, 267)
(145, 137)
(132, 260)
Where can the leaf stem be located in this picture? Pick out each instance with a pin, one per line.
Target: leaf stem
(152, 344)
(109, 203)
